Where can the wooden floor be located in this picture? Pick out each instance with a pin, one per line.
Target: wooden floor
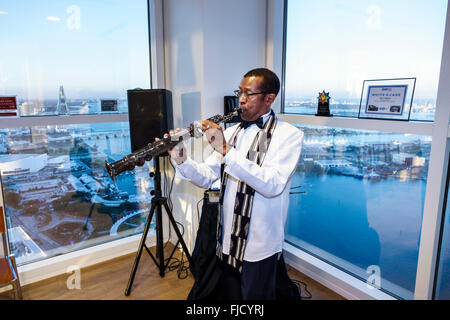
(108, 281)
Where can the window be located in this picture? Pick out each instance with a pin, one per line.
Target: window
(336, 45)
(362, 187)
(83, 51)
(356, 201)
(57, 192)
(67, 57)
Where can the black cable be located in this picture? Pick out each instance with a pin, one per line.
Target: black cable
(175, 263)
(179, 264)
(173, 178)
(167, 196)
(169, 188)
(298, 283)
(166, 185)
(183, 269)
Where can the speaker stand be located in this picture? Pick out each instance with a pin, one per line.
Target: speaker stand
(158, 201)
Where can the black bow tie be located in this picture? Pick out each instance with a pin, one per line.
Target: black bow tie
(259, 122)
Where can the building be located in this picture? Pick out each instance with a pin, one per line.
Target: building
(17, 163)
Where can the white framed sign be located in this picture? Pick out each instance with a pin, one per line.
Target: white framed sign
(387, 99)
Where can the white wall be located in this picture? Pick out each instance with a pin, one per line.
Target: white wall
(209, 46)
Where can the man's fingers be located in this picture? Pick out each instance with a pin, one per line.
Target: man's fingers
(166, 135)
(206, 124)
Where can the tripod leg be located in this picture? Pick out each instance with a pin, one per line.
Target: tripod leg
(141, 246)
(180, 237)
(89, 216)
(159, 238)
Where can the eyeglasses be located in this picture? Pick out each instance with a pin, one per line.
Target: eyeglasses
(246, 95)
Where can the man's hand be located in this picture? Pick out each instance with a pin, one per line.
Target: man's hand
(214, 135)
(177, 153)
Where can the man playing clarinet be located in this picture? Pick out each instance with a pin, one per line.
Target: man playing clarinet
(255, 161)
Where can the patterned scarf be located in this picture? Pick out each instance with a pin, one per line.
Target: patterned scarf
(244, 196)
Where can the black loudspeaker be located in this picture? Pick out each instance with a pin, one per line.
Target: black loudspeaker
(150, 115)
(230, 103)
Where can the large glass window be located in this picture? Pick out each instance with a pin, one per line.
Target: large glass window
(356, 202)
(67, 57)
(443, 270)
(57, 193)
(336, 45)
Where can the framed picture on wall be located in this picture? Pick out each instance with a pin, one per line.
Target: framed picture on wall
(387, 99)
(9, 107)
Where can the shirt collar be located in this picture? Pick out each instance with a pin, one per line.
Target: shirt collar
(266, 116)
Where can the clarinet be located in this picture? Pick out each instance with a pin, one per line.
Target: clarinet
(156, 148)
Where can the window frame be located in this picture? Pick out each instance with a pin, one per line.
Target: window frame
(439, 130)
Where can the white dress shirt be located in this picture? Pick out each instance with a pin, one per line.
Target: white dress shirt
(271, 183)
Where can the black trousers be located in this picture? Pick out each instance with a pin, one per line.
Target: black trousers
(215, 280)
(257, 281)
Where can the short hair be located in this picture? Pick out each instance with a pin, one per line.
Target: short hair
(270, 82)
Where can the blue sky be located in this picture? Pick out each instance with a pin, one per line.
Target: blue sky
(333, 45)
(336, 45)
(93, 48)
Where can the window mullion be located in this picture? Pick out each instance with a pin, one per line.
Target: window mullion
(434, 196)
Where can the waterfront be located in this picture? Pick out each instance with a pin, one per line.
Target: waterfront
(355, 223)
(357, 200)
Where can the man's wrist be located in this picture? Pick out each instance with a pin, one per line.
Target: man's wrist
(181, 162)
